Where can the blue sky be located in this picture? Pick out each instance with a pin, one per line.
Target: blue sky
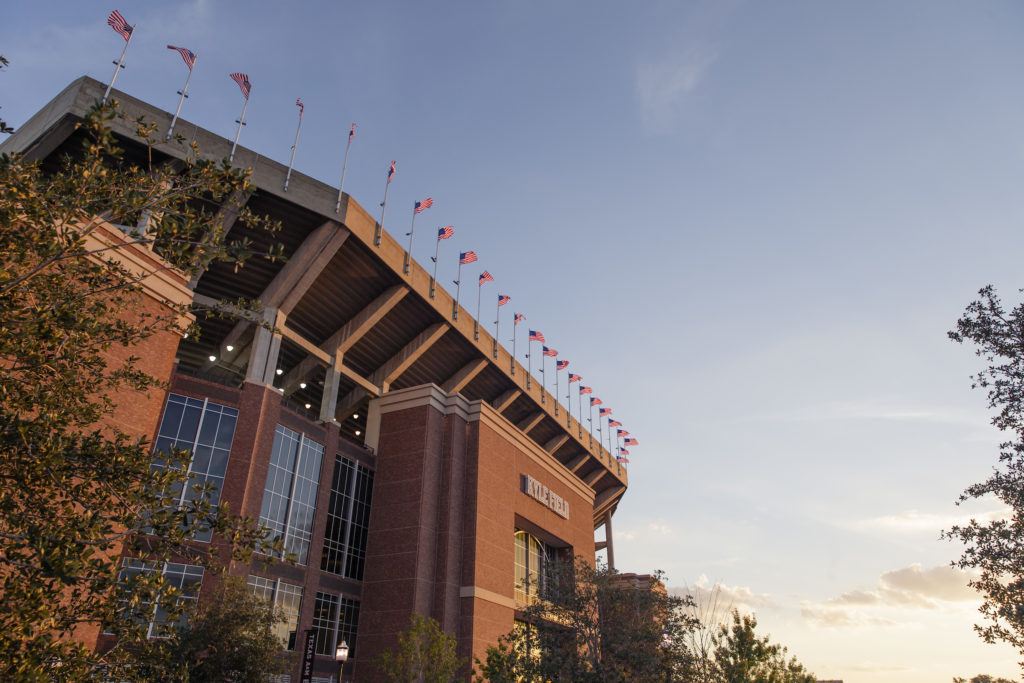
(748, 225)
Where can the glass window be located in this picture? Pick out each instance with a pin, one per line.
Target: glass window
(289, 498)
(335, 619)
(531, 560)
(205, 430)
(285, 596)
(348, 518)
(185, 578)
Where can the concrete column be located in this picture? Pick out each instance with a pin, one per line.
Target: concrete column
(266, 345)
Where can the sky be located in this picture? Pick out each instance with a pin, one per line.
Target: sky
(748, 225)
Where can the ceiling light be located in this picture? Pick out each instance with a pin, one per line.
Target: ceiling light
(358, 432)
(213, 358)
(302, 385)
(229, 347)
(280, 371)
(308, 406)
(186, 335)
(355, 416)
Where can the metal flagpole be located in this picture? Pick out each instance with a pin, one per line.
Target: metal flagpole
(581, 409)
(556, 388)
(543, 374)
(515, 330)
(238, 132)
(529, 361)
(295, 145)
(476, 323)
(458, 289)
(118, 65)
(383, 208)
(344, 168)
(590, 420)
(433, 278)
(181, 100)
(497, 324)
(408, 253)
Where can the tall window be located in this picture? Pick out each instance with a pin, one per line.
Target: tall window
(289, 499)
(335, 619)
(285, 596)
(205, 430)
(186, 578)
(530, 563)
(348, 518)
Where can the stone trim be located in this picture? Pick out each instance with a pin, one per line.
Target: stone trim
(489, 596)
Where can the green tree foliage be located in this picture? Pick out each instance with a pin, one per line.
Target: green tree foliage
(72, 492)
(595, 625)
(995, 549)
(424, 654)
(229, 639)
(982, 678)
(740, 656)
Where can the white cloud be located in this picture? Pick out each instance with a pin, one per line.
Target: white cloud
(663, 86)
(915, 521)
(907, 588)
(716, 600)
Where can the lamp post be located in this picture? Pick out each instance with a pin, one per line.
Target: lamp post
(341, 656)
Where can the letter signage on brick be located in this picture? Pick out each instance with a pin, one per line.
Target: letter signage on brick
(545, 496)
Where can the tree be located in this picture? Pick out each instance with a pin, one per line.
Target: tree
(594, 624)
(73, 489)
(995, 549)
(229, 639)
(742, 657)
(425, 654)
(982, 678)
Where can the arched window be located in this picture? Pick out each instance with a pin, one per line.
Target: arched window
(530, 561)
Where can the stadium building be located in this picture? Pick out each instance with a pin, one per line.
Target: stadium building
(398, 449)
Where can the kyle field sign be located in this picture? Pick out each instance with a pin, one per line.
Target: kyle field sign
(545, 496)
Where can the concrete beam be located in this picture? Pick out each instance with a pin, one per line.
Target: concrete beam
(346, 337)
(506, 399)
(225, 218)
(391, 370)
(298, 273)
(464, 376)
(576, 463)
(607, 495)
(594, 476)
(531, 421)
(556, 443)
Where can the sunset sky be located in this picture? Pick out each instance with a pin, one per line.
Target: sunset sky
(748, 225)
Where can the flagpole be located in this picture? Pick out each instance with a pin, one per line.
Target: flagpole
(497, 325)
(238, 132)
(581, 409)
(556, 388)
(344, 168)
(433, 278)
(118, 65)
(590, 420)
(181, 100)
(458, 289)
(515, 330)
(295, 146)
(408, 253)
(476, 323)
(529, 362)
(543, 373)
(383, 208)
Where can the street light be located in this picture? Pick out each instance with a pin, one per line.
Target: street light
(341, 655)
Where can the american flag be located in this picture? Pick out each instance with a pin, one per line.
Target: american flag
(117, 22)
(503, 299)
(595, 401)
(186, 54)
(422, 206)
(301, 106)
(519, 317)
(351, 132)
(573, 377)
(446, 232)
(484, 277)
(630, 442)
(604, 411)
(243, 83)
(622, 432)
(586, 390)
(621, 457)
(561, 365)
(615, 423)
(551, 353)
(536, 336)
(391, 170)
(467, 257)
